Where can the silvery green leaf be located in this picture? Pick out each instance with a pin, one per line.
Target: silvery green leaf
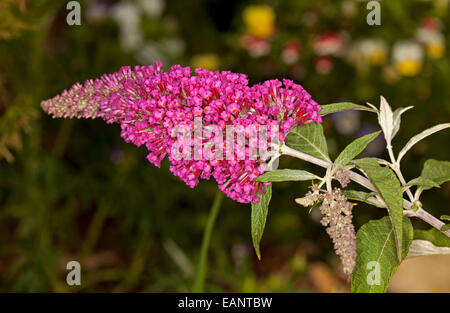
(272, 160)
(274, 163)
(343, 106)
(425, 247)
(286, 175)
(373, 107)
(419, 137)
(397, 119)
(386, 120)
(352, 150)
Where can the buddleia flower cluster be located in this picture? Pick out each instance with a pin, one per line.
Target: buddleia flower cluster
(337, 217)
(151, 105)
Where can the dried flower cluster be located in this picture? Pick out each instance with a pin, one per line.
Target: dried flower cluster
(150, 104)
(342, 177)
(337, 215)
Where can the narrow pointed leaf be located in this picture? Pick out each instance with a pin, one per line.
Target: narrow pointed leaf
(342, 106)
(386, 119)
(352, 150)
(286, 175)
(421, 136)
(259, 216)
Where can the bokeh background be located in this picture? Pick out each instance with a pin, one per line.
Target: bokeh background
(73, 190)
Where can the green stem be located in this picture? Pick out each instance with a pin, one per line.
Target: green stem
(199, 282)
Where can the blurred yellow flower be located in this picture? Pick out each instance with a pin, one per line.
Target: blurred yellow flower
(435, 50)
(408, 67)
(435, 45)
(432, 39)
(378, 57)
(368, 51)
(209, 61)
(259, 20)
(407, 58)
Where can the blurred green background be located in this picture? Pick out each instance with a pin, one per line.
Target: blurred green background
(73, 190)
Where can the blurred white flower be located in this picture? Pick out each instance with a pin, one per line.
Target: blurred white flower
(330, 43)
(369, 51)
(431, 24)
(256, 47)
(128, 18)
(430, 36)
(152, 8)
(407, 57)
(291, 52)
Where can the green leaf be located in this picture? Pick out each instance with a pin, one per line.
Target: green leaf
(433, 235)
(362, 196)
(419, 137)
(342, 106)
(437, 171)
(445, 217)
(309, 139)
(286, 175)
(389, 188)
(423, 182)
(259, 216)
(352, 150)
(377, 253)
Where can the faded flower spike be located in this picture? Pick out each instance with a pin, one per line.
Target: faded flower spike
(184, 117)
(337, 216)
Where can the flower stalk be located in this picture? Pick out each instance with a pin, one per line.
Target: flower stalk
(199, 282)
